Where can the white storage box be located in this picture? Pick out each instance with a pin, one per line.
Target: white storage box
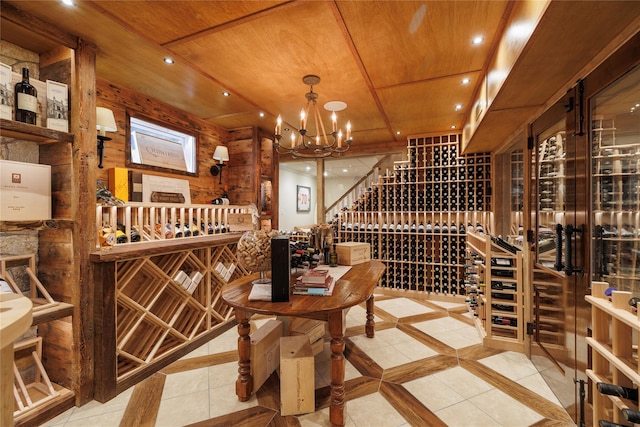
(25, 191)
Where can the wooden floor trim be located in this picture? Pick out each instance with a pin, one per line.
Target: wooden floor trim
(428, 340)
(409, 407)
(361, 361)
(183, 365)
(419, 368)
(255, 416)
(142, 409)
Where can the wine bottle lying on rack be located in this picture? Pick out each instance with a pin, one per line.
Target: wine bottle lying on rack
(631, 415)
(616, 390)
(605, 423)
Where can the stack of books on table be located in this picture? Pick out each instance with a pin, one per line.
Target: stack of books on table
(314, 282)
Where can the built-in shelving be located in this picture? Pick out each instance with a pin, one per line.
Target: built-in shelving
(494, 269)
(415, 217)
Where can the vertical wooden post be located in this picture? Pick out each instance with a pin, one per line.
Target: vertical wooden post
(244, 383)
(320, 190)
(338, 405)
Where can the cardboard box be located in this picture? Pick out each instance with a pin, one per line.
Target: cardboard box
(240, 222)
(265, 351)
(297, 388)
(352, 253)
(25, 191)
(313, 329)
(119, 183)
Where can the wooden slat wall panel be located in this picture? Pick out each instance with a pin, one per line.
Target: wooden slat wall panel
(120, 100)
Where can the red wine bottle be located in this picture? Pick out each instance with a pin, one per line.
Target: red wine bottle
(26, 99)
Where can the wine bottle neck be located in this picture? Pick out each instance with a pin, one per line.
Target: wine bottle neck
(25, 74)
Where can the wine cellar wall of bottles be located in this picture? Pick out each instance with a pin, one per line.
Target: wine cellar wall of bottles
(415, 218)
(616, 204)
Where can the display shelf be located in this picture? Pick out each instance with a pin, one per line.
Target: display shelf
(66, 326)
(416, 216)
(495, 269)
(153, 318)
(38, 134)
(614, 355)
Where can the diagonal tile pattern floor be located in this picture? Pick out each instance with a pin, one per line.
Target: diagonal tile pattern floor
(426, 366)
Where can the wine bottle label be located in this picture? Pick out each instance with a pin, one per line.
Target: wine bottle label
(27, 102)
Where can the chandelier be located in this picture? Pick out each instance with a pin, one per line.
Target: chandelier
(304, 144)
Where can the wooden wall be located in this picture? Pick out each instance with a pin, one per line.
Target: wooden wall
(204, 187)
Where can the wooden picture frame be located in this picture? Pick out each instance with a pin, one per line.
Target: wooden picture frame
(303, 198)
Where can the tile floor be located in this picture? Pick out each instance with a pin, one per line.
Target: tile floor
(425, 366)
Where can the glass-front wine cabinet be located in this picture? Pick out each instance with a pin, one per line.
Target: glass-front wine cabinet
(615, 145)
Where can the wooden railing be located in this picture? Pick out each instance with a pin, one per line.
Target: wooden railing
(140, 222)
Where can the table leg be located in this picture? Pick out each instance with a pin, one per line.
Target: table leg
(338, 405)
(369, 326)
(244, 383)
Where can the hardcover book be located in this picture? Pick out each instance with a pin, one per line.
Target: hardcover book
(57, 106)
(317, 275)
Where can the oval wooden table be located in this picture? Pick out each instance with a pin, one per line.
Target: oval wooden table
(355, 287)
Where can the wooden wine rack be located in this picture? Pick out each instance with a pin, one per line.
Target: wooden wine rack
(499, 273)
(415, 217)
(148, 318)
(614, 356)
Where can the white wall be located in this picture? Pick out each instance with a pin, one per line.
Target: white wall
(288, 218)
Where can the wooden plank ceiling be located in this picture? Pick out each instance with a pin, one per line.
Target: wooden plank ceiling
(398, 65)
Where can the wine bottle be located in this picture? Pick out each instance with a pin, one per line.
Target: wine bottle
(26, 99)
(631, 415)
(605, 423)
(616, 390)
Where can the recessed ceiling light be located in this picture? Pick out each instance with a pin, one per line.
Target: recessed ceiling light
(458, 107)
(168, 60)
(397, 132)
(261, 114)
(477, 40)
(466, 81)
(345, 170)
(326, 173)
(308, 168)
(225, 93)
(68, 2)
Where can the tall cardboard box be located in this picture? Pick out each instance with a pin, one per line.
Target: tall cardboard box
(297, 388)
(265, 351)
(119, 183)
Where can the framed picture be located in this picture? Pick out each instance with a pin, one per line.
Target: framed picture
(304, 199)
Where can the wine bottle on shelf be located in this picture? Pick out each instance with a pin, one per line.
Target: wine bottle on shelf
(631, 415)
(605, 423)
(26, 100)
(616, 390)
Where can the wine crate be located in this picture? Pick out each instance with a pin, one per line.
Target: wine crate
(313, 329)
(265, 351)
(352, 253)
(297, 389)
(25, 191)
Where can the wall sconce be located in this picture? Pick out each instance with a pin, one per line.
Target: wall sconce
(221, 155)
(105, 122)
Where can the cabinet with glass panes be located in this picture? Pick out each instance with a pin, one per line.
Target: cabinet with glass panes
(416, 216)
(616, 201)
